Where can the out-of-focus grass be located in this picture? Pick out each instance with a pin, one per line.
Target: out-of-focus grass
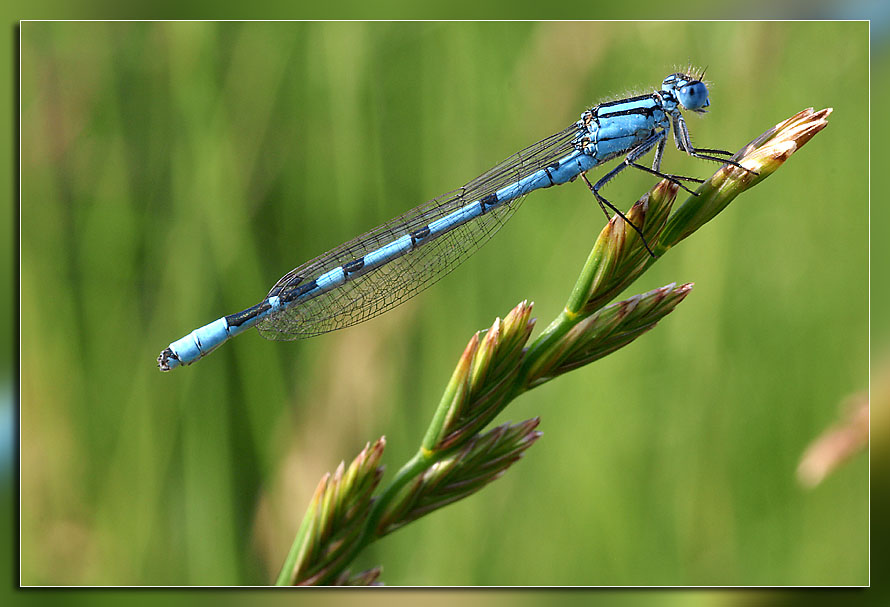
(172, 172)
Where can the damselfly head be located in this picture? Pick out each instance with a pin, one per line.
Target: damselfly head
(694, 96)
(690, 91)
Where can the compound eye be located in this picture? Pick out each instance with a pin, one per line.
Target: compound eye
(693, 96)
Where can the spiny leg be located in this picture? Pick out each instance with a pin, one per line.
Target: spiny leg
(684, 144)
(675, 179)
(642, 149)
(713, 151)
(603, 207)
(656, 164)
(602, 201)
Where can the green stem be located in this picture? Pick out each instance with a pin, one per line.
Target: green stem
(595, 268)
(569, 316)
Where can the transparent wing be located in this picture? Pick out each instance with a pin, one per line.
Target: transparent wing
(370, 294)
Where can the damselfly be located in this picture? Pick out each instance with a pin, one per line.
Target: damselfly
(393, 262)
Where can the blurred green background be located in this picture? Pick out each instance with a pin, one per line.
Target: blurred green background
(172, 172)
